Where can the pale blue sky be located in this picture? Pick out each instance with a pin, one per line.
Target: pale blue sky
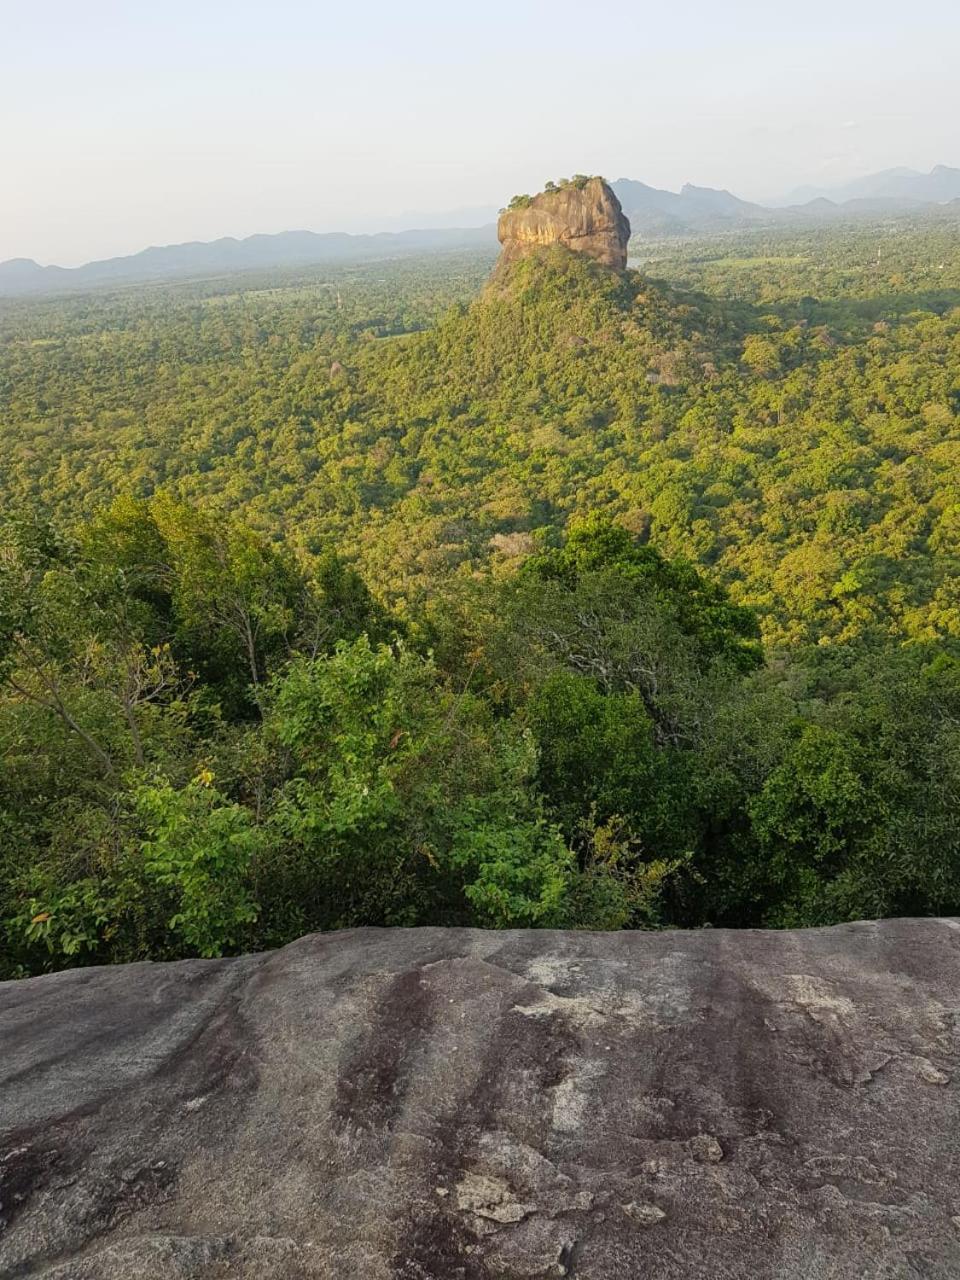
(127, 124)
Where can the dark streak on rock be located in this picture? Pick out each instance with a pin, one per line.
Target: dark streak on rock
(443, 1104)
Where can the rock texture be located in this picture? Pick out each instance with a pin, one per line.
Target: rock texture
(434, 1104)
(588, 220)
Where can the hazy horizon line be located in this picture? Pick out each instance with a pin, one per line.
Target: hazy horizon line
(444, 219)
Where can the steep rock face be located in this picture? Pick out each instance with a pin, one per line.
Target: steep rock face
(440, 1104)
(587, 219)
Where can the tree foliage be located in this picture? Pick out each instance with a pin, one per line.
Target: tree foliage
(593, 601)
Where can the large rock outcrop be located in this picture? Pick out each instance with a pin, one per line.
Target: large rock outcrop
(434, 1104)
(587, 219)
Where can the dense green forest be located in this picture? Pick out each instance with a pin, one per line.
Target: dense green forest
(368, 595)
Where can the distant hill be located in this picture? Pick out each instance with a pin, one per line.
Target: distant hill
(705, 210)
(481, 215)
(940, 185)
(22, 276)
(654, 212)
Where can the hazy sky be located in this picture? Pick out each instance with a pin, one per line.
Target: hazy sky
(127, 124)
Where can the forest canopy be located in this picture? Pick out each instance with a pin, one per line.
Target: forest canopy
(590, 601)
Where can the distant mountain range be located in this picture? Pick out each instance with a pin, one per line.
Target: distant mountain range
(20, 276)
(693, 210)
(940, 185)
(652, 212)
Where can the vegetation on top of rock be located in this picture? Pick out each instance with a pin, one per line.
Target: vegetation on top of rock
(577, 183)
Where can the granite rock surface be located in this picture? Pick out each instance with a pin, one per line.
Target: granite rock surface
(441, 1104)
(585, 219)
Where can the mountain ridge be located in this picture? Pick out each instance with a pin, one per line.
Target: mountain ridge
(940, 185)
(653, 212)
(285, 248)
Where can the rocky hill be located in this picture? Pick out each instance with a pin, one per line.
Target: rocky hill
(652, 212)
(417, 1104)
(584, 216)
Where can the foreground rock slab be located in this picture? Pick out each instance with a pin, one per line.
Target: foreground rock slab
(439, 1103)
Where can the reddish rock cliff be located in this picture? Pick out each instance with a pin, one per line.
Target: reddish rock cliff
(586, 218)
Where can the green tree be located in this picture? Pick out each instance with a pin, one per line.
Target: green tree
(235, 595)
(405, 802)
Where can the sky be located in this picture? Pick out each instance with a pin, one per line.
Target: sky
(129, 124)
